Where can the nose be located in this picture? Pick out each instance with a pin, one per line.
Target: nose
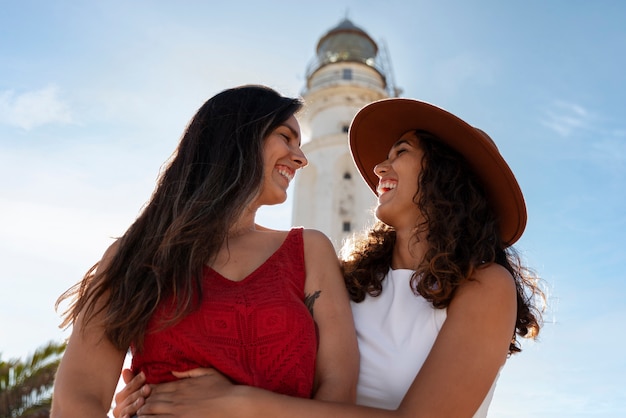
(299, 158)
(381, 168)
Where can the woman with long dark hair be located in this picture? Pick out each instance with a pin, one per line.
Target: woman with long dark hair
(195, 282)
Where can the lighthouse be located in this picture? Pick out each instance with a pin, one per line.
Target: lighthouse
(348, 71)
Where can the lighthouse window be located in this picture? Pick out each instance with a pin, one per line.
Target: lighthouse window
(346, 227)
(346, 176)
(345, 128)
(347, 74)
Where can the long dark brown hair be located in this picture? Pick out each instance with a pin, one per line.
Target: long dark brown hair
(214, 173)
(462, 235)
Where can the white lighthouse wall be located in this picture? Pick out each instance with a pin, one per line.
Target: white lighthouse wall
(329, 194)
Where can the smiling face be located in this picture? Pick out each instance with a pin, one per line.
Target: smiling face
(398, 183)
(282, 156)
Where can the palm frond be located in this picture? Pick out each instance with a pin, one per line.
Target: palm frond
(26, 385)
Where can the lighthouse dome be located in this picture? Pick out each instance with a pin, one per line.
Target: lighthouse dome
(346, 42)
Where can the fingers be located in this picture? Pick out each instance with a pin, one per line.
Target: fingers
(133, 384)
(136, 384)
(183, 382)
(128, 375)
(132, 396)
(186, 396)
(151, 409)
(130, 410)
(194, 373)
(129, 407)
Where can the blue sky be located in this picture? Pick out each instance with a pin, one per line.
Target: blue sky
(94, 97)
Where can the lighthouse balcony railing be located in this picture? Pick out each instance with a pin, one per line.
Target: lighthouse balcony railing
(337, 78)
(317, 62)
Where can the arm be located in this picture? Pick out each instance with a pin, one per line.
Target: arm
(337, 364)
(459, 371)
(88, 372)
(471, 347)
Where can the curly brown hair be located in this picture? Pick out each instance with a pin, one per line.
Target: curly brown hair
(214, 173)
(462, 234)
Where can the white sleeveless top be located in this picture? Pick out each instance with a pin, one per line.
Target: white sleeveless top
(396, 331)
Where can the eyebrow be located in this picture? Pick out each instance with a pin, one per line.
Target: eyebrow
(400, 142)
(293, 131)
(397, 144)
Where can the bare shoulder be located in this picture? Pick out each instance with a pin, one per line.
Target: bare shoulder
(315, 237)
(111, 250)
(108, 255)
(491, 291)
(320, 259)
(490, 281)
(314, 234)
(486, 305)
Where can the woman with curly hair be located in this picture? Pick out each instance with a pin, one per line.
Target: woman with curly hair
(439, 296)
(196, 282)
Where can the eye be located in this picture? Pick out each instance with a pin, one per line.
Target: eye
(283, 134)
(398, 151)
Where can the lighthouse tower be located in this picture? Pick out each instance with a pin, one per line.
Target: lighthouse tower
(348, 72)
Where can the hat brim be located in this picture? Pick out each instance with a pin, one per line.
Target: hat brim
(377, 126)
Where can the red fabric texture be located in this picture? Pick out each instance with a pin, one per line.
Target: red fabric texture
(257, 331)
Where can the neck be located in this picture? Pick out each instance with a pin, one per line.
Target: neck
(244, 224)
(409, 250)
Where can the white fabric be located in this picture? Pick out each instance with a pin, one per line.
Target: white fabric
(396, 331)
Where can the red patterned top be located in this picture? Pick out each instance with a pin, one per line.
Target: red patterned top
(256, 331)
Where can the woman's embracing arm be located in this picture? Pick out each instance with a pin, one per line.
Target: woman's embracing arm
(337, 365)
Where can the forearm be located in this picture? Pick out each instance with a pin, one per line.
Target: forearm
(337, 390)
(211, 395)
(79, 395)
(337, 375)
(77, 405)
(263, 404)
(87, 376)
(84, 393)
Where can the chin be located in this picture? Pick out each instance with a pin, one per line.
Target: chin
(386, 214)
(279, 199)
(380, 215)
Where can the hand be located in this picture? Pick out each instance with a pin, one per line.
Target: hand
(133, 396)
(199, 392)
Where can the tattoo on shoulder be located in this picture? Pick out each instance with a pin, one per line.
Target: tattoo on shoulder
(309, 300)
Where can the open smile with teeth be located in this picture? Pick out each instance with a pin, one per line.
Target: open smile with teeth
(285, 172)
(385, 186)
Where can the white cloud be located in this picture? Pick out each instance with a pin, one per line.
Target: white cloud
(592, 136)
(32, 109)
(565, 117)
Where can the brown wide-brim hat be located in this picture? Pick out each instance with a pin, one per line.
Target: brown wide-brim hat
(377, 126)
